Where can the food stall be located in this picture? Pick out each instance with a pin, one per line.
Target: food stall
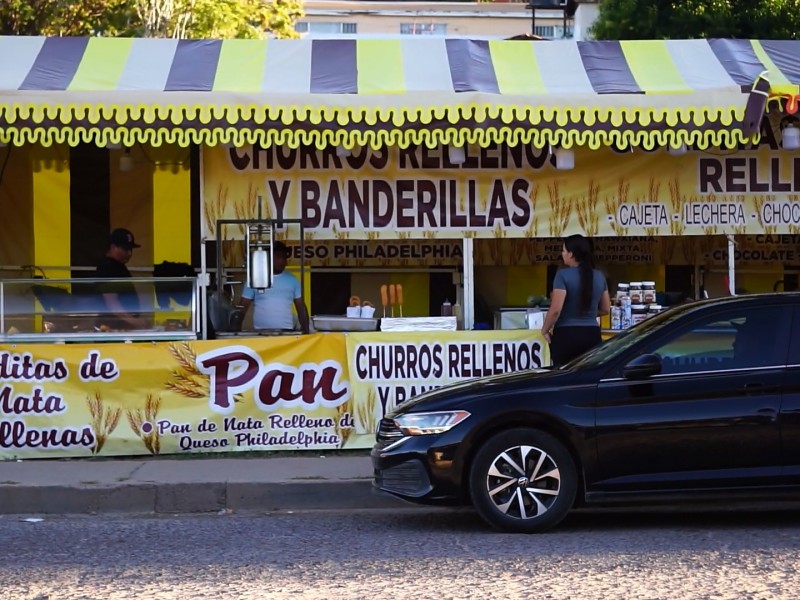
(449, 167)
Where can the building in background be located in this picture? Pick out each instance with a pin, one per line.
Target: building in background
(489, 20)
(586, 14)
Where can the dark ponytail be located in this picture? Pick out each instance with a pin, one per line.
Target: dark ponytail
(581, 249)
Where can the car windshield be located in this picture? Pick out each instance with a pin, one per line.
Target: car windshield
(625, 339)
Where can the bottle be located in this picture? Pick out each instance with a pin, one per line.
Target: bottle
(447, 309)
(626, 312)
(616, 316)
(638, 313)
(648, 292)
(622, 290)
(635, 292)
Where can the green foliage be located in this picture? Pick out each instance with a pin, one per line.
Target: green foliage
(684, 19)
(65, 17)
(219, 18)
(151, 18)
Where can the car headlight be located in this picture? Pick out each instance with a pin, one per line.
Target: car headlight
(429, 423)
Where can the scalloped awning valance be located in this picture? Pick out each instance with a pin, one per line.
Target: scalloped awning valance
(390, 91)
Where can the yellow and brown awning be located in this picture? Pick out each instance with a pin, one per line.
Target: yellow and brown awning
(389, 91)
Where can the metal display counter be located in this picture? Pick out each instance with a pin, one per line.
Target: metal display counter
(75, 310)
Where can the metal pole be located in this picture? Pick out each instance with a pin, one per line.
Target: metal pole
(468, 306)
(731, 265)
(533, 20)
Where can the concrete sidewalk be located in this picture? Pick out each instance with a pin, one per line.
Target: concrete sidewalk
(189, 485)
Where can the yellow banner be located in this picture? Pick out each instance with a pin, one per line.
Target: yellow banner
(417, 193)
(166, 398)
(386, 369)
(287, 393)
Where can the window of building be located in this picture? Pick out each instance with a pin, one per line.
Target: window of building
(323, 27)
(553, 31)
(423, 29)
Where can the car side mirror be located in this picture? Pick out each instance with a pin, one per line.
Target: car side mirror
(642, 367)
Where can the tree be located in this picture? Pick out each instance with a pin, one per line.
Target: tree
(66, 17)
(683, 19)
(152, 18)
(218, 18)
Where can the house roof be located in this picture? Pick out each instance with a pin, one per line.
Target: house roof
(390, 91)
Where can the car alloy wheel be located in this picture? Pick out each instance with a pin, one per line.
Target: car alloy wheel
(523, 480)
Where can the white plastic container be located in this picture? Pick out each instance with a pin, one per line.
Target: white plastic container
(260, 270)
(534, 318)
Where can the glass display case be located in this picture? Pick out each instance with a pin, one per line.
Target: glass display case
(99, 310)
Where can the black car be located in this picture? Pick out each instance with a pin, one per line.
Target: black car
(701, 402)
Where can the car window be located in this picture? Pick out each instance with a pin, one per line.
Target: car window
(740, 339)
(622, 341)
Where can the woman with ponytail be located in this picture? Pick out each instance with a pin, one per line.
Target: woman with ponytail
(580, 295)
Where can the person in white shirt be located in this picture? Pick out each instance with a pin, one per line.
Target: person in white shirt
(273, 306)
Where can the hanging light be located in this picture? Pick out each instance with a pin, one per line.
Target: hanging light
(113, 146)
(791, 137)
(126, 161)
(456, 155)
(678, 150)
(565, 158)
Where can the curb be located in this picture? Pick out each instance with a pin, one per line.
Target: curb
(199, 497)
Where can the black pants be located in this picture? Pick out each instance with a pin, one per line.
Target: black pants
(570, 342)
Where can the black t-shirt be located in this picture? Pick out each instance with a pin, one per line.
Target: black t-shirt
(108, 268)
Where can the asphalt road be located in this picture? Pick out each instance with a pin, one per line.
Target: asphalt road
(413, 553)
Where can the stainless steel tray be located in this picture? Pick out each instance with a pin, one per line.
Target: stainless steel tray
(341, 323)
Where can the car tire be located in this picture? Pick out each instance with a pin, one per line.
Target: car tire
(523, 480)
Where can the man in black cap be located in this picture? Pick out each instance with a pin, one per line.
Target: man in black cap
(120, 297)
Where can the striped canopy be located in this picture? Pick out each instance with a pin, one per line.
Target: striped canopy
(388, 91)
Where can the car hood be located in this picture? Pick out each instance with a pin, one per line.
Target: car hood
(463, 391)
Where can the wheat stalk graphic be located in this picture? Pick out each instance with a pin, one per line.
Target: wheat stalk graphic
(362, 414)
(588, 218)
(560, 210)
(213, 210)
(612, 205)
(104, 420)
(144, 423)
(186, 380)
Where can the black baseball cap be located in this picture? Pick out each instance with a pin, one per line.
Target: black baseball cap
(123, 238)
